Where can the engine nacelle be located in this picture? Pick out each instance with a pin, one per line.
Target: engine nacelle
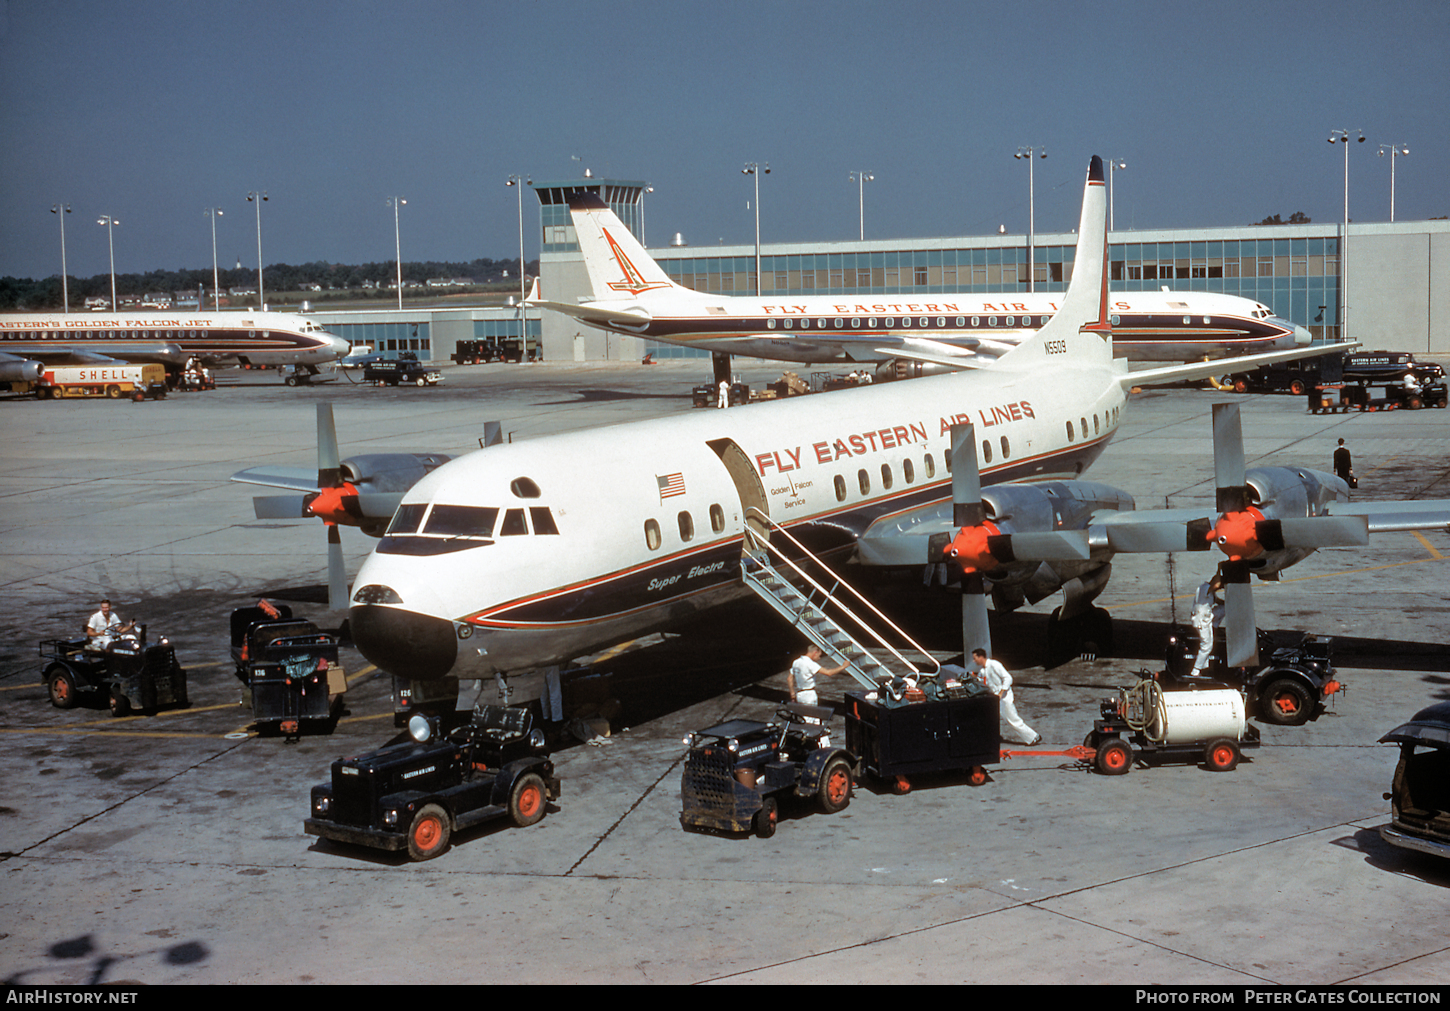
(389, 472)
(19, 370)
(1050, 505)
(1282, 493)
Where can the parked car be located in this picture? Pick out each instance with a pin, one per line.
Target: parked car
(1420, 795)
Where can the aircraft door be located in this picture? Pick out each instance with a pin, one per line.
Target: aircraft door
(747, 483)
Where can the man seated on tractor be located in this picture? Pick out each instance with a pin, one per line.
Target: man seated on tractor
(104, 628)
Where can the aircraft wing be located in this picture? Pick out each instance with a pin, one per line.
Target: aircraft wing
(597, 315)
(1383, 517)
(1219, 366)
(904, 539)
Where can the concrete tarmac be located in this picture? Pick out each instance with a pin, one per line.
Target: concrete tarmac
(169, 848)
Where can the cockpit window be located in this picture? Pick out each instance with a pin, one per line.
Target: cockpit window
(513, 524)
(461, 521)
(407, 518)
(543, 520)
(524, 487)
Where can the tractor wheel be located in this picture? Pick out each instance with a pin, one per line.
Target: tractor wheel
(62, 686)
(766, 818)
(1241, 386)
(429, 833)
(1285, 702)
(120, 705)
(1413, 403)
(977, 776)
(527, 800)
(1115, 757)
(901, 786)
(292, 381)
(834, 793)
(1221, 755)
(1297, 387)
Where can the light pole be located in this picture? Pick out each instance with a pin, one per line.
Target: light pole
(62, 210)
(757, 170)
(861, 179)
(396, 202)
(1027, 152)
(1342, 136)
(1395, 151)
(110, 224)
(216, 293)
(520, 182)
(1113, 165)
(258, 198)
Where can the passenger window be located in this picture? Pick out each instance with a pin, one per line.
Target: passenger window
(1006, 448)
(1084, 427)
(687, 527)
(930, 462)
(986, 451)
(886, 477)
(864, 480)
(1069, 431)
(908, 471)
(652, 535)
(1095, 424)
(543, 520)
(717, 519)
(840, 488)
(513, 524)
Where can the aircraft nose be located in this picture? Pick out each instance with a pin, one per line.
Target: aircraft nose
(402, 642)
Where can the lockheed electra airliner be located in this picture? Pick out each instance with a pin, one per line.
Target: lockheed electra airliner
(631, 294)
(519, 556)
(170, 339)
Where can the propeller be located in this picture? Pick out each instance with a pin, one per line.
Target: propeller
(979, 546)
(1241, 531)
(334, 498)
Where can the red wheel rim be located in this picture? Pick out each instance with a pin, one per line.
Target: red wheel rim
(530, 800)
(1114, 758)
(1286, 703)
(838, 786)
(60, 688)
(1223, 755)
(427, 832)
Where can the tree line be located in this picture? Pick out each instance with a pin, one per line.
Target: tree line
(30, 295)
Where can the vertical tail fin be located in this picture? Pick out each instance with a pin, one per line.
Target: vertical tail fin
(1081, 325)
(617, 264)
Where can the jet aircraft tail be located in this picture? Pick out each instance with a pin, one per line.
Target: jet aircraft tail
(617, 264)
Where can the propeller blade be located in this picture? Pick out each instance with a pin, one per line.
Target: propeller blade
(1313, 532)
(967, 508)
(329, 469)
(1228, 458)
(1156, 536)
(280, 507)
(1238, 617)
(336, 570)
(378, 504)
(975, 630)
(1045, 546)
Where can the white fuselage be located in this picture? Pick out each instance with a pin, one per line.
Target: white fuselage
(258, 338)
(650, 515)
(1147, 326)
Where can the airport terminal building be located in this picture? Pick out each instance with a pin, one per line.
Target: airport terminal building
(1395, 277)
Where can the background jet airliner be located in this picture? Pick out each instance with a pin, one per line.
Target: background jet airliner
(530, 554)
(633, 295)
(170, 339)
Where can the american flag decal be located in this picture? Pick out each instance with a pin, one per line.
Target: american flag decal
(671, 485)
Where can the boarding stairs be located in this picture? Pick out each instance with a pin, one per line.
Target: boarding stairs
(779, 569)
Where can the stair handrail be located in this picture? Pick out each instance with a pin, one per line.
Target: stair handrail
(752, 538)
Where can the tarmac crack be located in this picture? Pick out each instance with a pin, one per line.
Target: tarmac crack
(671, 768)
(122, 802)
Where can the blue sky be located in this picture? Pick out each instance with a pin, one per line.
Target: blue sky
(153, 110)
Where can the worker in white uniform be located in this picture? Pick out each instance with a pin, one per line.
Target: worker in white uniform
(801, 681)
(1207, 615)
(104, 627)
(995, 677)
